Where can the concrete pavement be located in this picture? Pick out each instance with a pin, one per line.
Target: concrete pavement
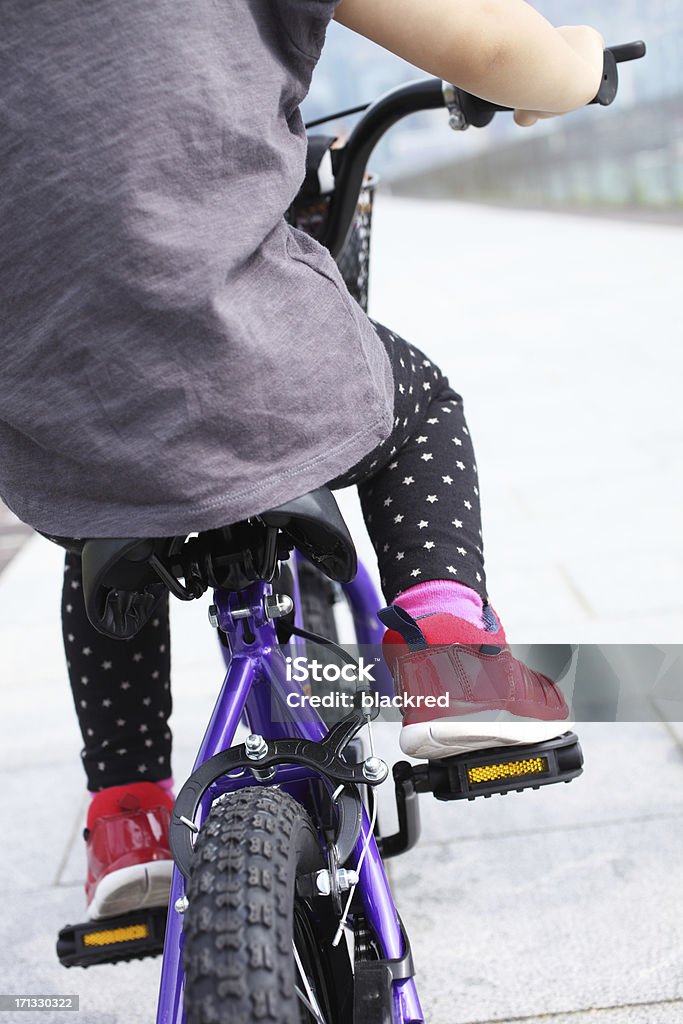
(563, 336)
(13, 535)
(563, 905)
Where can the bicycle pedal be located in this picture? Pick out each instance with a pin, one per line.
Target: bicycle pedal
(128, 937)
(501, 769)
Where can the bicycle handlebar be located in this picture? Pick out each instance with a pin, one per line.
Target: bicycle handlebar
(429, 94)
(351, 161)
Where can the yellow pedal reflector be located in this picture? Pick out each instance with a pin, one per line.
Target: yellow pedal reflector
(501, 770)
(507, 770)
(111, 935)
(126, 937)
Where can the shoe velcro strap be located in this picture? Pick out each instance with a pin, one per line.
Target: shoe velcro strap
(396, 618)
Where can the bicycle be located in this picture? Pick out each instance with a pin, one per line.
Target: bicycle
(280, 907)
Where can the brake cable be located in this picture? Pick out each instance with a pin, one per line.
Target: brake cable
(316, 638)
(340, 113)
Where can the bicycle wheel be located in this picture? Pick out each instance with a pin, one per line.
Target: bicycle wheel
(255, 951)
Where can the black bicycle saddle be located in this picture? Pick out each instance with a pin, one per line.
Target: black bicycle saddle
(122, 588)
(317, 528)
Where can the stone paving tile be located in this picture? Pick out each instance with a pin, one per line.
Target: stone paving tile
(13, 535)
(665, 1012)
(50, 802)
(109, 994)
(541, 924)
(614, 593)
(653, 628)
(573, 404)
(38, 727)
(622, 762)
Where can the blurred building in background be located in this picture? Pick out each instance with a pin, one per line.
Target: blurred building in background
(628, 155)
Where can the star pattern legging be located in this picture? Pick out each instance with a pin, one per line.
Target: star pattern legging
(420, 499)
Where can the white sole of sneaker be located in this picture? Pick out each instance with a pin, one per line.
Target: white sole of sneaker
(132, 888)
(434, 740)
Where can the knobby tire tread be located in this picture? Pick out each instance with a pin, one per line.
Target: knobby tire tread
(238, 926)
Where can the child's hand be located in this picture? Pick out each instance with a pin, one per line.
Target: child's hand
(588, 44)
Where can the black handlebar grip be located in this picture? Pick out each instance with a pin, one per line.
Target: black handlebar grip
(609, 86)
(628, 51)
(479, 113)
(610, 76)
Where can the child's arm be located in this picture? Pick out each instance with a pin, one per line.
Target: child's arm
(501, 50)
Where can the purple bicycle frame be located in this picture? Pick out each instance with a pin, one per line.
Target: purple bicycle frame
(255, 683)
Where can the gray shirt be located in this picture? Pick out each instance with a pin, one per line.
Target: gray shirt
(175, 357)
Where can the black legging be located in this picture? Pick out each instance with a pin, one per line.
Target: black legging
(420, 499)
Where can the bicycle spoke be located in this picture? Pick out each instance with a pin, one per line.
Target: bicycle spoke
(309, 1000)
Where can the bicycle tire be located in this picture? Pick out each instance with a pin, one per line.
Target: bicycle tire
(244, 915)
(318, 597)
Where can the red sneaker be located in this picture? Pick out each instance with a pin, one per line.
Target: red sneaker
(129, 859)
(460, 697)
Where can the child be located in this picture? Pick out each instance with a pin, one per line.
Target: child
(168, 358)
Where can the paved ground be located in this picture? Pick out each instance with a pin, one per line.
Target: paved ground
(560, 333)
(562, 906)
(13, 535)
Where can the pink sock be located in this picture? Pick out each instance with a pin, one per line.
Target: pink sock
(450, 612)
(443, 597)
(166, 784)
